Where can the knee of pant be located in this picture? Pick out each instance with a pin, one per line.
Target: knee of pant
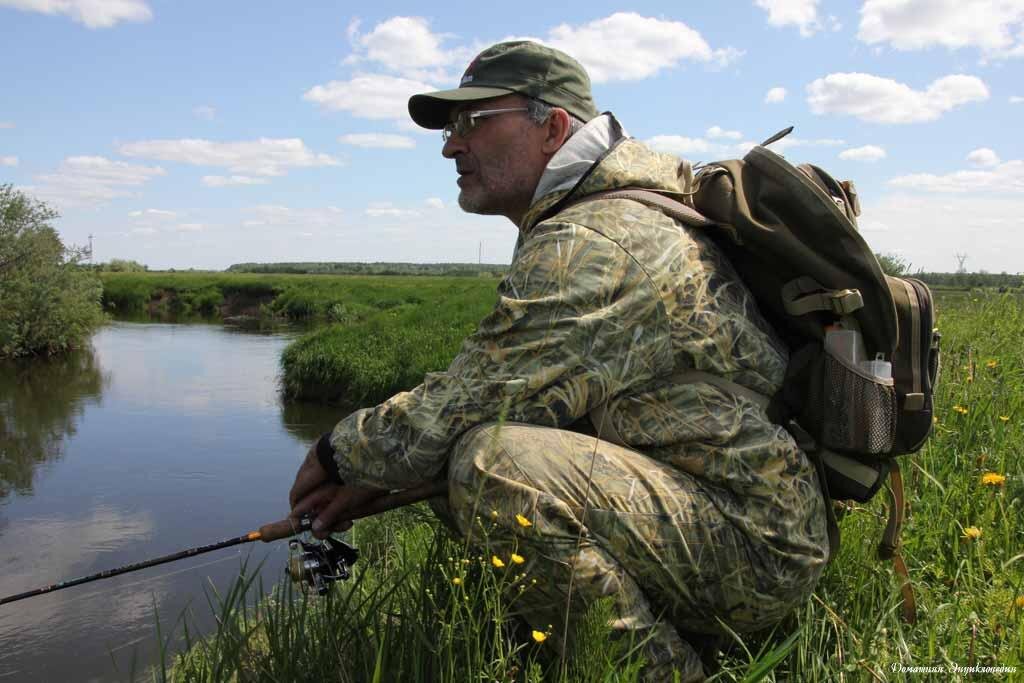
(468, 460)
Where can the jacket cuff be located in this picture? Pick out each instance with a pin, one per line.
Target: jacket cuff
(325, 454)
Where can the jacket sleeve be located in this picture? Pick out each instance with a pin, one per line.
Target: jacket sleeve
(577, 320)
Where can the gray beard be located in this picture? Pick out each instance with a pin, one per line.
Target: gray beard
(477, 205)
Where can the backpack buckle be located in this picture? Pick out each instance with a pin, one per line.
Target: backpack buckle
(845, 301)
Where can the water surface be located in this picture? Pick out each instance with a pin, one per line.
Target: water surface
(158, 438)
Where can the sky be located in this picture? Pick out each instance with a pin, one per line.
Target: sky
(186, 134)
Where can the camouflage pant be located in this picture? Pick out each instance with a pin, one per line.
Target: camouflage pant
(652, 540)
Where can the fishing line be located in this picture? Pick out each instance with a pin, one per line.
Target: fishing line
(97, 593)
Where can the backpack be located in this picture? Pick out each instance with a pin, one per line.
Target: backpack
(864, 356)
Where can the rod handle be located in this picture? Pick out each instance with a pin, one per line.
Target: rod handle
(389, 501)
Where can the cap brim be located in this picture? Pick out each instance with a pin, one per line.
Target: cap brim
(432, 110)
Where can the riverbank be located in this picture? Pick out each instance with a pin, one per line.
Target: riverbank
(331, 298)
(425, 607)
(373, 335)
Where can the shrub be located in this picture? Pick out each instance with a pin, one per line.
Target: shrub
(47, 303)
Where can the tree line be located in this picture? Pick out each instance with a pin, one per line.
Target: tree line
(377, 268)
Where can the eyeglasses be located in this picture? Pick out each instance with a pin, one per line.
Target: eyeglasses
(466, 121)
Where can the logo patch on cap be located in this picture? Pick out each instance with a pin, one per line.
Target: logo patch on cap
(466, 79)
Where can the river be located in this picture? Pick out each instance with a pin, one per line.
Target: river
(158, 438)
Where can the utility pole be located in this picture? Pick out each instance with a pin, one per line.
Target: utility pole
(90, 248)
(480, 254)
(961, 259)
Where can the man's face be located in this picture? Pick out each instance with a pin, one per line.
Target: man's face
(500, 161)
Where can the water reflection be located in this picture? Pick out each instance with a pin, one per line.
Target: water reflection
(40, 403)
(307, 421)
(67, 548)
(162, 438)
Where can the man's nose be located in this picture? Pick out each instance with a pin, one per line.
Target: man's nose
(452, 146)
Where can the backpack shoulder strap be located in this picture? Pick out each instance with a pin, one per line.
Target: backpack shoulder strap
(686, 215)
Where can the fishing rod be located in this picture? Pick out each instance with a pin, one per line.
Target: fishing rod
(314, 564)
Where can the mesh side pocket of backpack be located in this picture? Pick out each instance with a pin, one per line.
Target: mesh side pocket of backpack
(858, 413)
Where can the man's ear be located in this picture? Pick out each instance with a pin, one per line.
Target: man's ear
(557, 130)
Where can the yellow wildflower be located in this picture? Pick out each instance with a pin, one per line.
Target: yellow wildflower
(494, 514)
(960, 409)
(457, 581)
(540, 636)
(1004, 418)
(991, 364)
(935, 420)
(972, 533)
(497, 562)
(518, 559)
(992, 479)
(1019, 602)
(523, 521)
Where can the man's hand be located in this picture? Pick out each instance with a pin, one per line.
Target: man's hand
(314, 493)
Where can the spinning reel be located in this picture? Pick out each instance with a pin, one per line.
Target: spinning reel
(318, 563)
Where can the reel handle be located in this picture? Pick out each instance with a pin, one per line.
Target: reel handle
(286, 528)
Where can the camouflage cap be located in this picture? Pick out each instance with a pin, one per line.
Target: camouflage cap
(520, 67)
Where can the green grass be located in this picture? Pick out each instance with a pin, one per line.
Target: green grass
(341, 298)
(403, 619)
(378, 353)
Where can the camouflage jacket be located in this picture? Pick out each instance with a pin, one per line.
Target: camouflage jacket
(602, 303)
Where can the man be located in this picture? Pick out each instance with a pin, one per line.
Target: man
(712, 513)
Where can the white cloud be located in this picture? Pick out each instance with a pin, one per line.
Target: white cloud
(800, 13)
(792, 141)
(205, 111)
(231, 181)
(775, 95)
(871, 226)
(156, 213)
(190, 227)
(92, 13)
(679, 145)
(931, 229)
(983, 156)
(378, 141)
(712, 146)
(866, 153)
(1016, 99)
(8, 161)
(407, 46)
(434, 203)
(263, 157)
(6, 124)
(995, 27)
(280, 217)
(142, 231)
(714, 132)
(882, 100)
(622, 46)
(368, 96)
(626, 46)
(389, 210)
(88, 181)
(1004, 178)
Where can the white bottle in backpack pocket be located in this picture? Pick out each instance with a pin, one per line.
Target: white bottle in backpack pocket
(846, 345)
(879, 368)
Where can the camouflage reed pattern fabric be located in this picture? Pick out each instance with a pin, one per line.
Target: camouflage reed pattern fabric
(603, 302)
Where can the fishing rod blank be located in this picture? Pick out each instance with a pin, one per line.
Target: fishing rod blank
(321, 562)
(191, 552)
